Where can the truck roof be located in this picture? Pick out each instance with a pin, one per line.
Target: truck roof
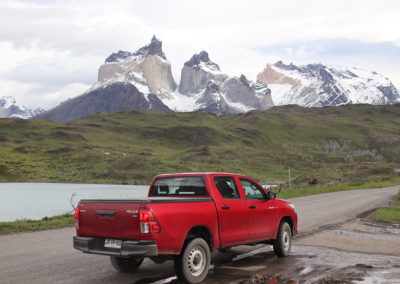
(197, 174)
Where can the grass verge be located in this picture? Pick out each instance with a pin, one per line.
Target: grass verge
(47, 223)
(391, 213)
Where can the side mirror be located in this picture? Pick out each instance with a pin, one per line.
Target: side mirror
(271, 195)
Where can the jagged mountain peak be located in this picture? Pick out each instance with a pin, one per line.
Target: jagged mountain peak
(244, 80)
(153, 48)
(202, 60)
(208, 89)
(116, 56)
(10, 108)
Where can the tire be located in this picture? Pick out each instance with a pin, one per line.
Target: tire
(193, 263)
(283, 242)
(125, 264)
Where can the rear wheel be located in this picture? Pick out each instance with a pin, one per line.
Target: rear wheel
(193, 263)
(283, 242)
(125, 264)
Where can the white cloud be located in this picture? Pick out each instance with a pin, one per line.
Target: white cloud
(34, 95)
(53, 98)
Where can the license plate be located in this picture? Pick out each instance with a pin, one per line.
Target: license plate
(112, 243)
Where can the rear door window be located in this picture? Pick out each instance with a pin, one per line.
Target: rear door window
(179, 186)
(227, 187)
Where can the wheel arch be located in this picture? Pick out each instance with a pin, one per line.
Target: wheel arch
(288, 220)
(199, 232)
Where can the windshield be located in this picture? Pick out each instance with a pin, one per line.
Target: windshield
(179, 186)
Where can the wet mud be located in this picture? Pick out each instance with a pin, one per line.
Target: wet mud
(311, 261)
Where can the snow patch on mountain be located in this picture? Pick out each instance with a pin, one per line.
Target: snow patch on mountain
(9, 108)
(203, 86)
(322, 85)
(147, 69)
(211, 90)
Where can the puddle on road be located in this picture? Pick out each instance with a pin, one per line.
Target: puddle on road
(307, 264)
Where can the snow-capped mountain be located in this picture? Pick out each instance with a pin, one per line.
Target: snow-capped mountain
(142, 80)
(147, 69)
(204, 87)
(324, 85)
(126, 81)
(9, 108)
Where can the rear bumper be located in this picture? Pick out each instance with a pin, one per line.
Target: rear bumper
(128, 248)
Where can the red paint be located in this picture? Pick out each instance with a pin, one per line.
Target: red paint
(169, 222)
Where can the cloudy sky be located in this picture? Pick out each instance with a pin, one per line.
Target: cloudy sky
(51, 50)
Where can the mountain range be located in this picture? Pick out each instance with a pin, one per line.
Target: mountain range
(324, 85)
(142, 80)
(10, 108)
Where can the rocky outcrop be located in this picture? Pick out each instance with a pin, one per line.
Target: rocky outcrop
(216, 92)
(137, 80)
(154, 48)
(147, 69)
(197, 72)
(158, 75)
(254, 95)
(324, 85)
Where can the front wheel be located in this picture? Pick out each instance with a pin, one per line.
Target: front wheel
(283, 241)
(193, 263)
(125, 264)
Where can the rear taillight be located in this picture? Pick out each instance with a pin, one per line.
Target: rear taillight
(148, 222)
(76, 215)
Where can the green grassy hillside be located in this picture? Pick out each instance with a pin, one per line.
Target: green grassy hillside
(330, 146)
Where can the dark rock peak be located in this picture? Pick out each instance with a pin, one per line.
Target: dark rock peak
(118, 55)
(154, 48)
(244, 81)
(201, 57)
(212, 87)
(291, 66)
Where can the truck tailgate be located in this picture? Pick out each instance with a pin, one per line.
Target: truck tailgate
(117, 219)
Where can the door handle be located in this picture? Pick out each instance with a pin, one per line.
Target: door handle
(225, 207)
(252, 206)
(272, 207)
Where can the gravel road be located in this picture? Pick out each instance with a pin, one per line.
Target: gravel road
(48, 256)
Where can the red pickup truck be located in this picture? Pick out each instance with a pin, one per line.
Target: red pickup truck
(184, 218)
